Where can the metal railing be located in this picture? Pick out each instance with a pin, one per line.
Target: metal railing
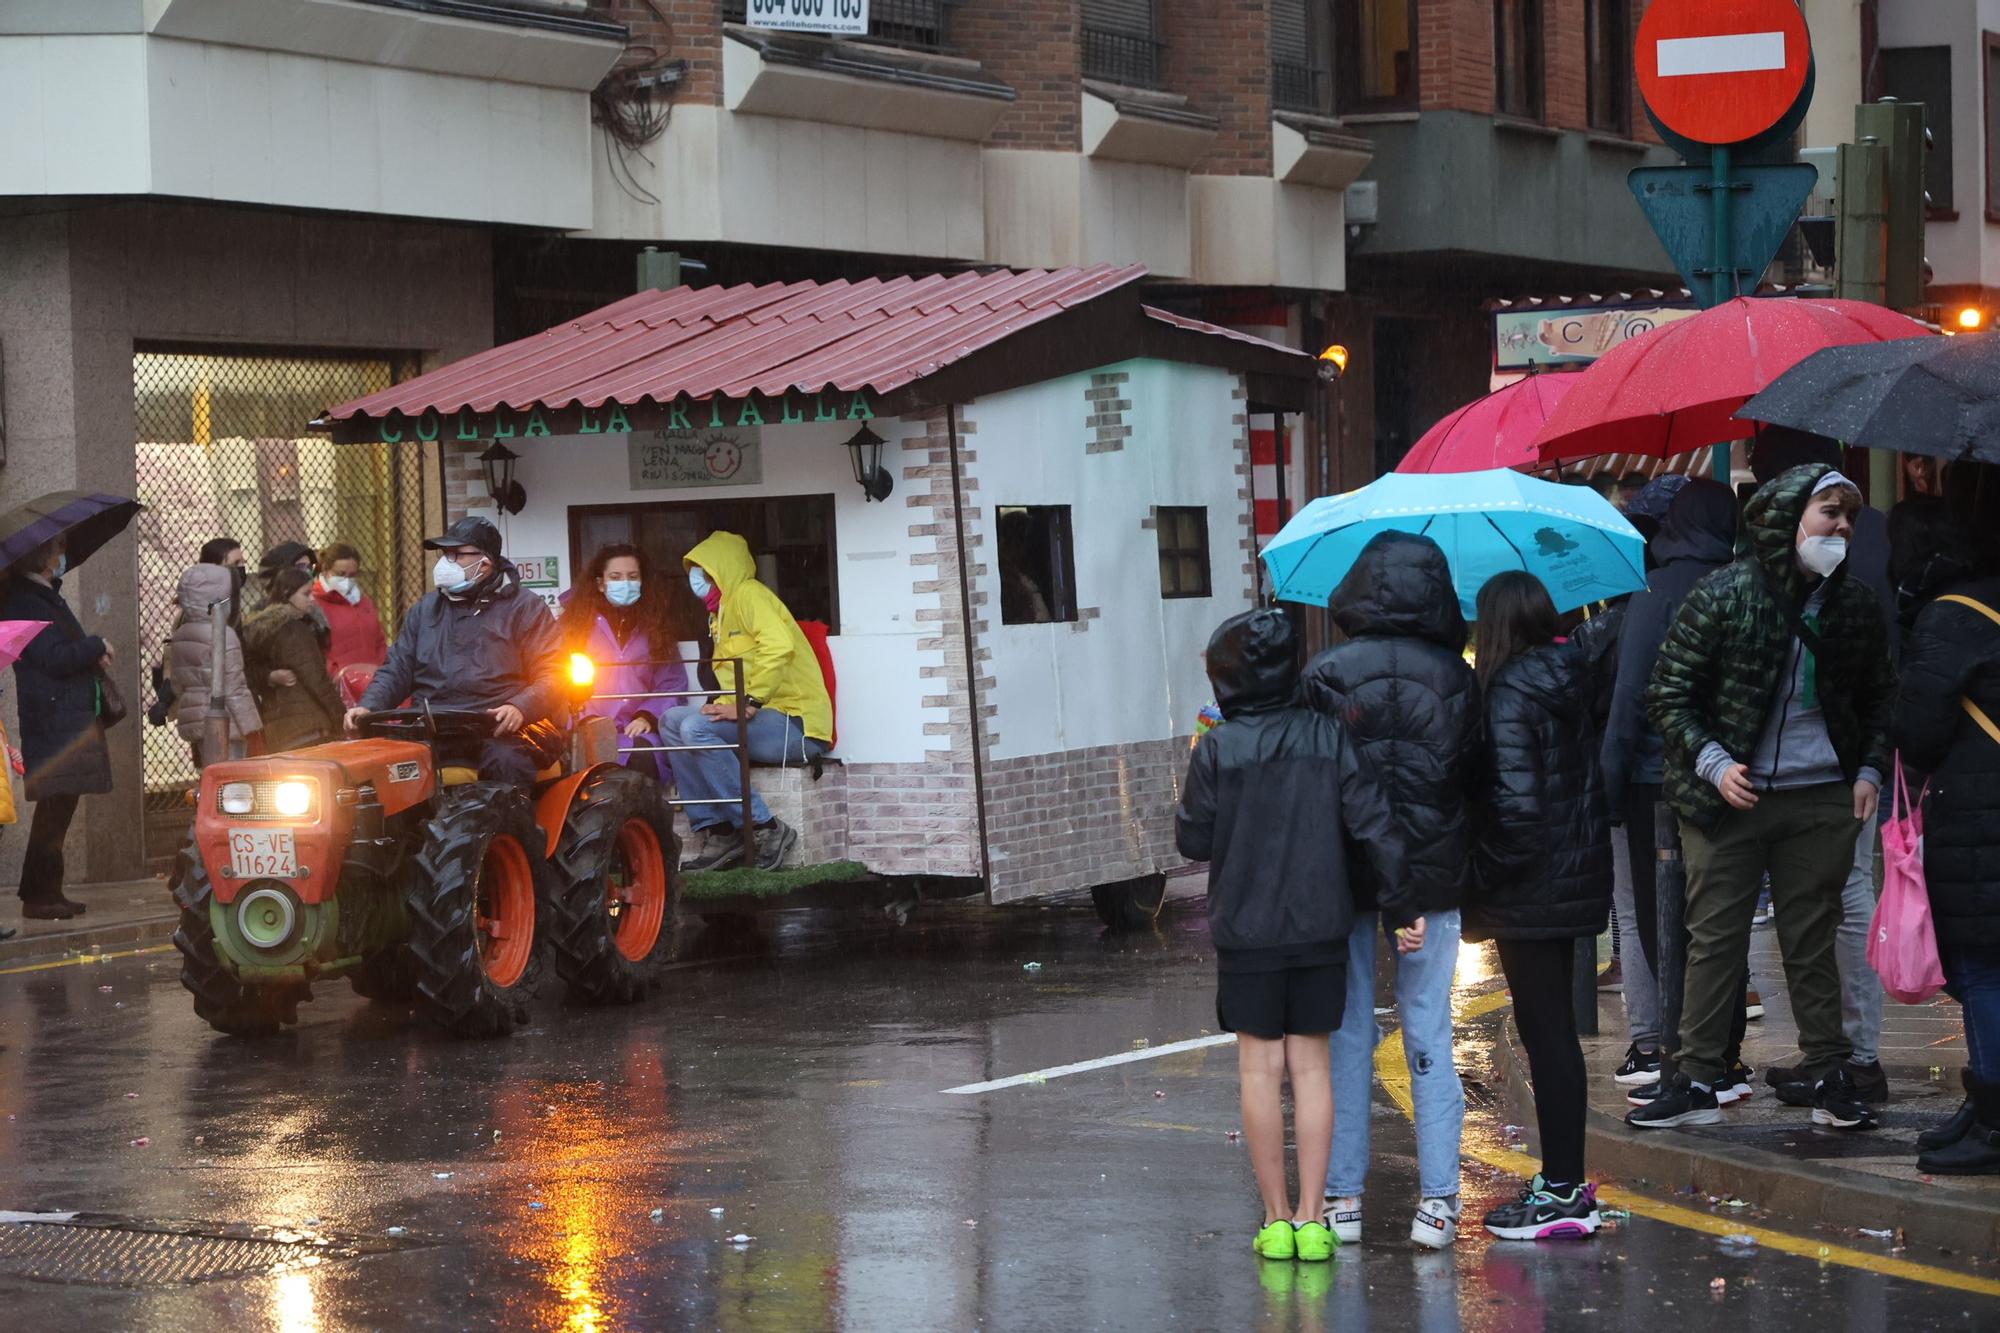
(1121, 57)
(1298, 87)
(741, 745)
(920, 25)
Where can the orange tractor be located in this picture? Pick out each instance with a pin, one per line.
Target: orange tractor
(374, 860)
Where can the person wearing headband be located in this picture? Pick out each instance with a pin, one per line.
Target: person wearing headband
(1771, 694)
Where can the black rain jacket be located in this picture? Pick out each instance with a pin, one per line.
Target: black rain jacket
(497, 646)
(1544, 853)
(56, 677)
(1953, 652)
(1401, 688)
(1276, 800)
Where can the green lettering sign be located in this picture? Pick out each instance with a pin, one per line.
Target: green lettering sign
(858, 410)
(503, 429)
(617, 421)
(387, 434)
(715, 413)
(537, 425)
(748, 415)
(436, 425)
(585, 425)
(677, 416)
(467, 429)
(788, 414)
(819, 409)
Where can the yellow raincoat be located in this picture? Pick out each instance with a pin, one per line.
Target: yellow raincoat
(779, 668)
(8, 815)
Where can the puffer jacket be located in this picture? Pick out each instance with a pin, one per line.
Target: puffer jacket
(1597, 639)
(1697, 537)
(1731, 642)
(56, 679)
(1275, 797)
(497, 645)
(1543, 859)
(306, 713)
(1953, 652)
(191, 658)
(780, 670)
(1401, 688)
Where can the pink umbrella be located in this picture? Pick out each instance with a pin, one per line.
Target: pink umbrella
(15, 635)
(1498, 430)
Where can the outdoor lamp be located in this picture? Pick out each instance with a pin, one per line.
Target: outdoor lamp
(1971, 318)
(1333, 362)
(865, 449)
(498, 460)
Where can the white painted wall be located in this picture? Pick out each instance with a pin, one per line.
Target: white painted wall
(875, 654)
(130, 114)
(1135, 673)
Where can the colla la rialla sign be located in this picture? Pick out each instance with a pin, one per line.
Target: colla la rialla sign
(684, 413)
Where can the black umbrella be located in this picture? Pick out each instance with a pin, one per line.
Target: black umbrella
(1936, 396)
(87, 519)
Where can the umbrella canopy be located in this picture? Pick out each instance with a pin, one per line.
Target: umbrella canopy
(87, 519)
(1569, 537)
(1498, 430)
(14, 637)
(1678, 387)
(1937, 396)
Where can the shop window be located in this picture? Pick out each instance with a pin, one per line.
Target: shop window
(1923, 74)
(1517, 58)
(790, 536)
(1374, 55)
(1607, 27)
(1119, 45)
(1183, 534)
(1037, 565)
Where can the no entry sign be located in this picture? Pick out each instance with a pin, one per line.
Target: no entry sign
(1722, 71)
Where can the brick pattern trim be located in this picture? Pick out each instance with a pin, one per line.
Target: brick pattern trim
(1105, 406)
(1246, 493)
(1067, 821)
(462, 474)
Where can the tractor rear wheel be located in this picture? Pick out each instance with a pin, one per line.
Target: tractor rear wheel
(616, 906)
(220, 1000)
(475, 910)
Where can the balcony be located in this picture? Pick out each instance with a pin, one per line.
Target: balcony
(1300, 88)
(1123, 58)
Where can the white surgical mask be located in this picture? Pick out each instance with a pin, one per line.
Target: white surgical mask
(698, 581)
(345, 586)
(448, 577)
(1822, 555)
(621, 592)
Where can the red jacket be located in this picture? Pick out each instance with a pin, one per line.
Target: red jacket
(355, 637)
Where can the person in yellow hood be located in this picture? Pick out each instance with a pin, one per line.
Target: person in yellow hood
(785, 714)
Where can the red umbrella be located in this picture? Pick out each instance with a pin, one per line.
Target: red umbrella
(1678, 387)
(1495, 431)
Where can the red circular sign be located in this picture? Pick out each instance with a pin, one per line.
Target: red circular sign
(1722, 71)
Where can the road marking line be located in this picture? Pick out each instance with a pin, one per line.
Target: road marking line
(85, 958)
(1734, 53)
(1394, 1072)
(1102, 1062)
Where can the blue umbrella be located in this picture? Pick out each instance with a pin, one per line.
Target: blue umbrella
(1569, 537)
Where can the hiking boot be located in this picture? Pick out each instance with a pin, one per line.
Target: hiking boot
(1543, 1213)
(1640, 1067)
(716, 847)
(1838, 1105)
(1952, 1130)
(1681, 1104)
(775, 841)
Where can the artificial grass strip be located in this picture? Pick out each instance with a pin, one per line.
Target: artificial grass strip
(750, 882)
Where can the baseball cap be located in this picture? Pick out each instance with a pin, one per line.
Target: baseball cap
(468, 531)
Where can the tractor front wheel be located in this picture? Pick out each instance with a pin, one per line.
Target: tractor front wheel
(616, 906)
(475, 889)
(220, 1000)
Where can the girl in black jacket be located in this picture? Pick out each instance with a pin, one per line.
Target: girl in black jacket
(1951, 665)
(1542, 876)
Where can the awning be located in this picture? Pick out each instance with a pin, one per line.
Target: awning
(809, 351)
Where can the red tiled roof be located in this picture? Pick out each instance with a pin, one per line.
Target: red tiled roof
(879, 334)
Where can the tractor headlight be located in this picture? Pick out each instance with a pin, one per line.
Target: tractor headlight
(238, 798)
(290, 799)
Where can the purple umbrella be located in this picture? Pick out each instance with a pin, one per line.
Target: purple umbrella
(86, 519)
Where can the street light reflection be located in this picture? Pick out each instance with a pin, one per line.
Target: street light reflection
(292, 1308)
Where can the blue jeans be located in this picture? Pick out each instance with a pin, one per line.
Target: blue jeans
(715, 776)
(1972, 977)
(1423, 998)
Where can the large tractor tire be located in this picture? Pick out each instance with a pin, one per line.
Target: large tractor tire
(220, 1000)
(615, 918)
(475, 910)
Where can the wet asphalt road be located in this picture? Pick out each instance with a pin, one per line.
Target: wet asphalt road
(797, 1087)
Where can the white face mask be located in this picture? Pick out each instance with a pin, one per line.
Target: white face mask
(698, 581)
(448, 577)
(1822, 555)
(345, 586)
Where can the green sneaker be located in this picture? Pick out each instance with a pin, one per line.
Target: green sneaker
(1276, 1241)
(1314, 1242)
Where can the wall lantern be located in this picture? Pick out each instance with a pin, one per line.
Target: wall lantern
(1333, 362)
(498, 460)
(865, 449)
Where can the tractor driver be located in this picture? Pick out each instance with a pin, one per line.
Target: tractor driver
(480, 642)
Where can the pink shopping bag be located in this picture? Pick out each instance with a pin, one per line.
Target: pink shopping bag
(1902, 944)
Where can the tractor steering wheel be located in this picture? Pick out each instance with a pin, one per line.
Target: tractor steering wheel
(424, 723)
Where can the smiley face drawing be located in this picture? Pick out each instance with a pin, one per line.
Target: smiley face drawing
(724, 457)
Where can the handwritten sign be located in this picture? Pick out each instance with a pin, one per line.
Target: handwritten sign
(674, 459)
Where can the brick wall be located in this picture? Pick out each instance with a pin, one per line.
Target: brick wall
(1455, 61)
(692, 31)
(1035, 47)
(1219, 56)
(1059, 822)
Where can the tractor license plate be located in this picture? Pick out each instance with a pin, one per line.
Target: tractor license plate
(262, 854)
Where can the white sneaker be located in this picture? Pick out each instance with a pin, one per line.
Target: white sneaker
(1343, 1219)
(1436, 1223)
